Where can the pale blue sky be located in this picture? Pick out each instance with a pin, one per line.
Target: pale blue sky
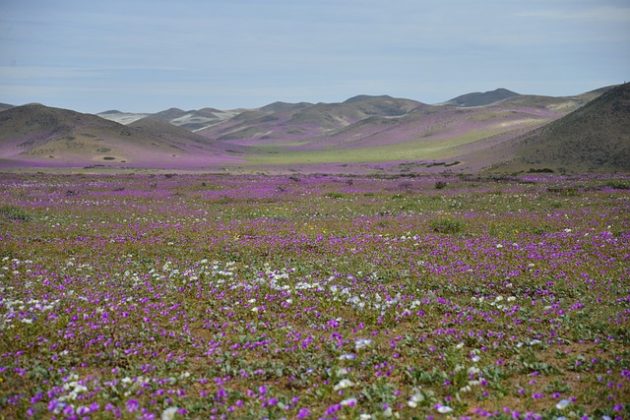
(153, 54)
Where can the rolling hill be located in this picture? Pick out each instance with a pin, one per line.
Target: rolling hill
(593, 137)
(43, 136)
(378, 128)
(120, 117)
(482, 98)
(193, 120)
(281, 123)
(362, 129)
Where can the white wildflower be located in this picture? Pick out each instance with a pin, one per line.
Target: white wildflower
(416, 398)
(473, 370)
(562, 404)
(444, 409)
(361, 343)
(169, 413)
(343, 384)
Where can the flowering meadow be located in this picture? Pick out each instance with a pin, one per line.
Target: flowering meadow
(314, 296)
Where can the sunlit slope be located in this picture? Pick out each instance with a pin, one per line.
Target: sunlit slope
(43, 135)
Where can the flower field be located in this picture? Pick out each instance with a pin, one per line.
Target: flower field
(214, 296)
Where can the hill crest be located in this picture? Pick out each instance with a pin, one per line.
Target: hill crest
(482, 98)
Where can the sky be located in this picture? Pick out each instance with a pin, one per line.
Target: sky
(149, 55)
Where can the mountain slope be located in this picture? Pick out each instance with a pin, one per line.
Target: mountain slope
(361, 129)
(166, 131)
(58, 137)
(371, 128)
(563, 104)
(427, 133)
(594, 137)
(193, 120)
(482, 98)
(122, 117)
(368, 129)
(284, 122)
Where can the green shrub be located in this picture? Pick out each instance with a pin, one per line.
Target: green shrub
(564, 191)
(619, 184)
(540, 171)
(14, 213)
(448, 226)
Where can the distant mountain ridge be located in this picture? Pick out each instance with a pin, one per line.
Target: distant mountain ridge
(482, 98)
(360, 129)
(193, 120)
(292, 122)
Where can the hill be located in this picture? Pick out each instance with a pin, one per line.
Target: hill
(371, 129)
(361, 129)
(165, 131)
(122, 117)
(284, 122)
(562, 104)
(39, 135)
(193, 120)
(482, 98)
(593, 137)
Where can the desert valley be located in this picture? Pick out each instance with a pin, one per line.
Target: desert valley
(294, 210)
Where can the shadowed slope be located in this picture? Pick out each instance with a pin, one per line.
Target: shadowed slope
(482, 98)
(594, 137)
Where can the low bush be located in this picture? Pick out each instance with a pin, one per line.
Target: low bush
(448, 226)
(14, 213)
